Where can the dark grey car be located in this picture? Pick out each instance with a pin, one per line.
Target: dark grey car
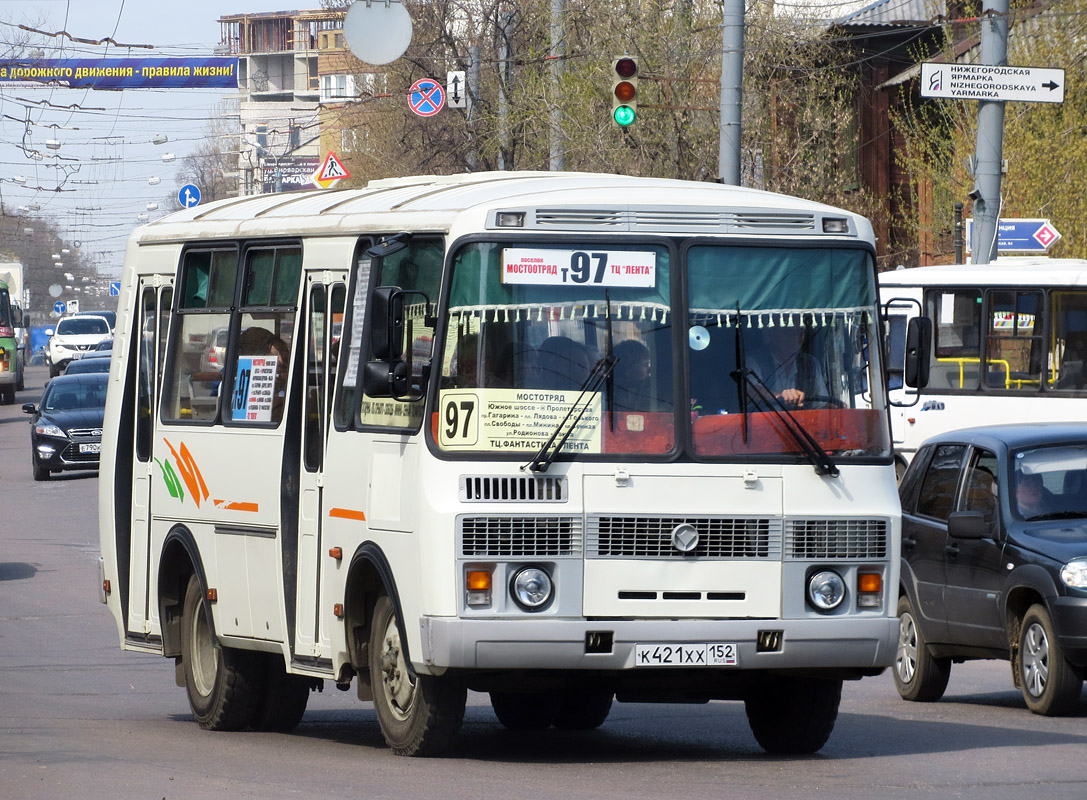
(994, 560)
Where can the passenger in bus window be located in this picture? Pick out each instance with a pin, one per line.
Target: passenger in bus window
(563, 363)
(632, 373)
(790, 374)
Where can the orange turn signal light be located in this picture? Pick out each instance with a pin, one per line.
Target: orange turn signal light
(869, 582)
(479, 580)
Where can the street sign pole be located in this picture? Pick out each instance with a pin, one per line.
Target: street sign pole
(989, 150)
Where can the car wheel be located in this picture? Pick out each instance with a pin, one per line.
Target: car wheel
(53, 371)
(793, 715)
(223, 683)
(1051, 686)
(918, 676)
(418, 714)
(40, 472)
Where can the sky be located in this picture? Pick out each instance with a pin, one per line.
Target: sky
(106, 159)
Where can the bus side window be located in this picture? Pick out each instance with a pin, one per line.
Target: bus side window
(416, 268)
(206, 294)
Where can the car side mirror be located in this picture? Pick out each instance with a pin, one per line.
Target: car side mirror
(918, 348)
(969, 525)
(29, 408)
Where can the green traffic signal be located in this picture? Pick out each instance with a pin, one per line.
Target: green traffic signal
(623, 115)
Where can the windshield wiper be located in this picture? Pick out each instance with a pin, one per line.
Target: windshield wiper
(1057, 515)
(590, 386)
(763, 397)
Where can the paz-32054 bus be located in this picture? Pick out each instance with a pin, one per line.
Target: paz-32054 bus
(567, 439)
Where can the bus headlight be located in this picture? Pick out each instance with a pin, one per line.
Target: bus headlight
(531, 588)
(826, 590)
(1074, 573)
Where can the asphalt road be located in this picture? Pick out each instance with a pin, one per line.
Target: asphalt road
(81, 718)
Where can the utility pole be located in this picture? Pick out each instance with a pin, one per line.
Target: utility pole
(732, 72)
(558, 57)
(989, 152)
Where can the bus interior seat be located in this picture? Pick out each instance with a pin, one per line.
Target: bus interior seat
(1072, 375)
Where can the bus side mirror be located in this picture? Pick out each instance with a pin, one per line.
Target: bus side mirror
(387, 323)
(918, 348)
(385, 379)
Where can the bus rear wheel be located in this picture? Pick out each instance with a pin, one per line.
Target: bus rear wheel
(223, 683)
(793, 716)
(418, 714)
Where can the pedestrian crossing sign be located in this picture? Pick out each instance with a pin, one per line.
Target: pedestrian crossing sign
(331, 171)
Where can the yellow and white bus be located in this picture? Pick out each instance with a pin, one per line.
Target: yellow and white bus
(507, 432)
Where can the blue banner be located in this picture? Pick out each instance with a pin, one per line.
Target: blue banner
(125, 73)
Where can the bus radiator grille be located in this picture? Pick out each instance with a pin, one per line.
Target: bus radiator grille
(838, 539)
(512, 489)
(651, 537)
(496, 537)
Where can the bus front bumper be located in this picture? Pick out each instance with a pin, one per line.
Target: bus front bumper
(846, 643)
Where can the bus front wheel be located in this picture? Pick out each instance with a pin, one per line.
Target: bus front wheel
(419, 714)
(223, 684)
(793, 715)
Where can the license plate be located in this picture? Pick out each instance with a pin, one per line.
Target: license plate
(710, 654)
(93, 447)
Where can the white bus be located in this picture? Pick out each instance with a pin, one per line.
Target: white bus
(1008, 344)
(506, 432)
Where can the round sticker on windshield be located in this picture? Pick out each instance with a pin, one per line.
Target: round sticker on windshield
(698, 337)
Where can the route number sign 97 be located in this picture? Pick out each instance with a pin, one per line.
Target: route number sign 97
(579, 267)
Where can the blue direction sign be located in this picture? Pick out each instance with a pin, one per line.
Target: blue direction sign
(114, 288)
(1021, 235)
(60, 307)
(189, 196)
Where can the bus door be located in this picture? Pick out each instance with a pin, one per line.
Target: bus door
(150, 333)
(325, 299)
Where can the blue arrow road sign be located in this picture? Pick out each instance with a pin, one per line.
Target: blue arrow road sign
(189, 196)
(1021, 235)
(60, 306)
(114, 288)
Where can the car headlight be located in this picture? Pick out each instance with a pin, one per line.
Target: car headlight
(1074, 573)
(826, 590)
(531, 588)
(49, 430)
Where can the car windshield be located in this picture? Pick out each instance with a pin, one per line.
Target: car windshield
(82, 326)
(63, 395)
(88, 365)
(1051, 482)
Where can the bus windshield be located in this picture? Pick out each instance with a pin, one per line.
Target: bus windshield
(526, 323)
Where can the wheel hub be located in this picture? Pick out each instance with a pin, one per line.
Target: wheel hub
(1035, 660)
(395, 676)
(906, 658)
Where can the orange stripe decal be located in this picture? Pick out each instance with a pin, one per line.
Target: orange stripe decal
(347, 513)
(233, 505)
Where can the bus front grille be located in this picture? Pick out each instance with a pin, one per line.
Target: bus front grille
(529, 537)
(512, 489)
(653, 537)
(807, 539)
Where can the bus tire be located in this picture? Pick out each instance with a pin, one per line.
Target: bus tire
(8, 394)
(583, 710)
(223, 683)
(526, 711)
(793, 715)
(283, 697)
(418, 714)
(1050, 685)
(918, 676)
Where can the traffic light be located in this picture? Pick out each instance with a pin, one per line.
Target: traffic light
(624, 91)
